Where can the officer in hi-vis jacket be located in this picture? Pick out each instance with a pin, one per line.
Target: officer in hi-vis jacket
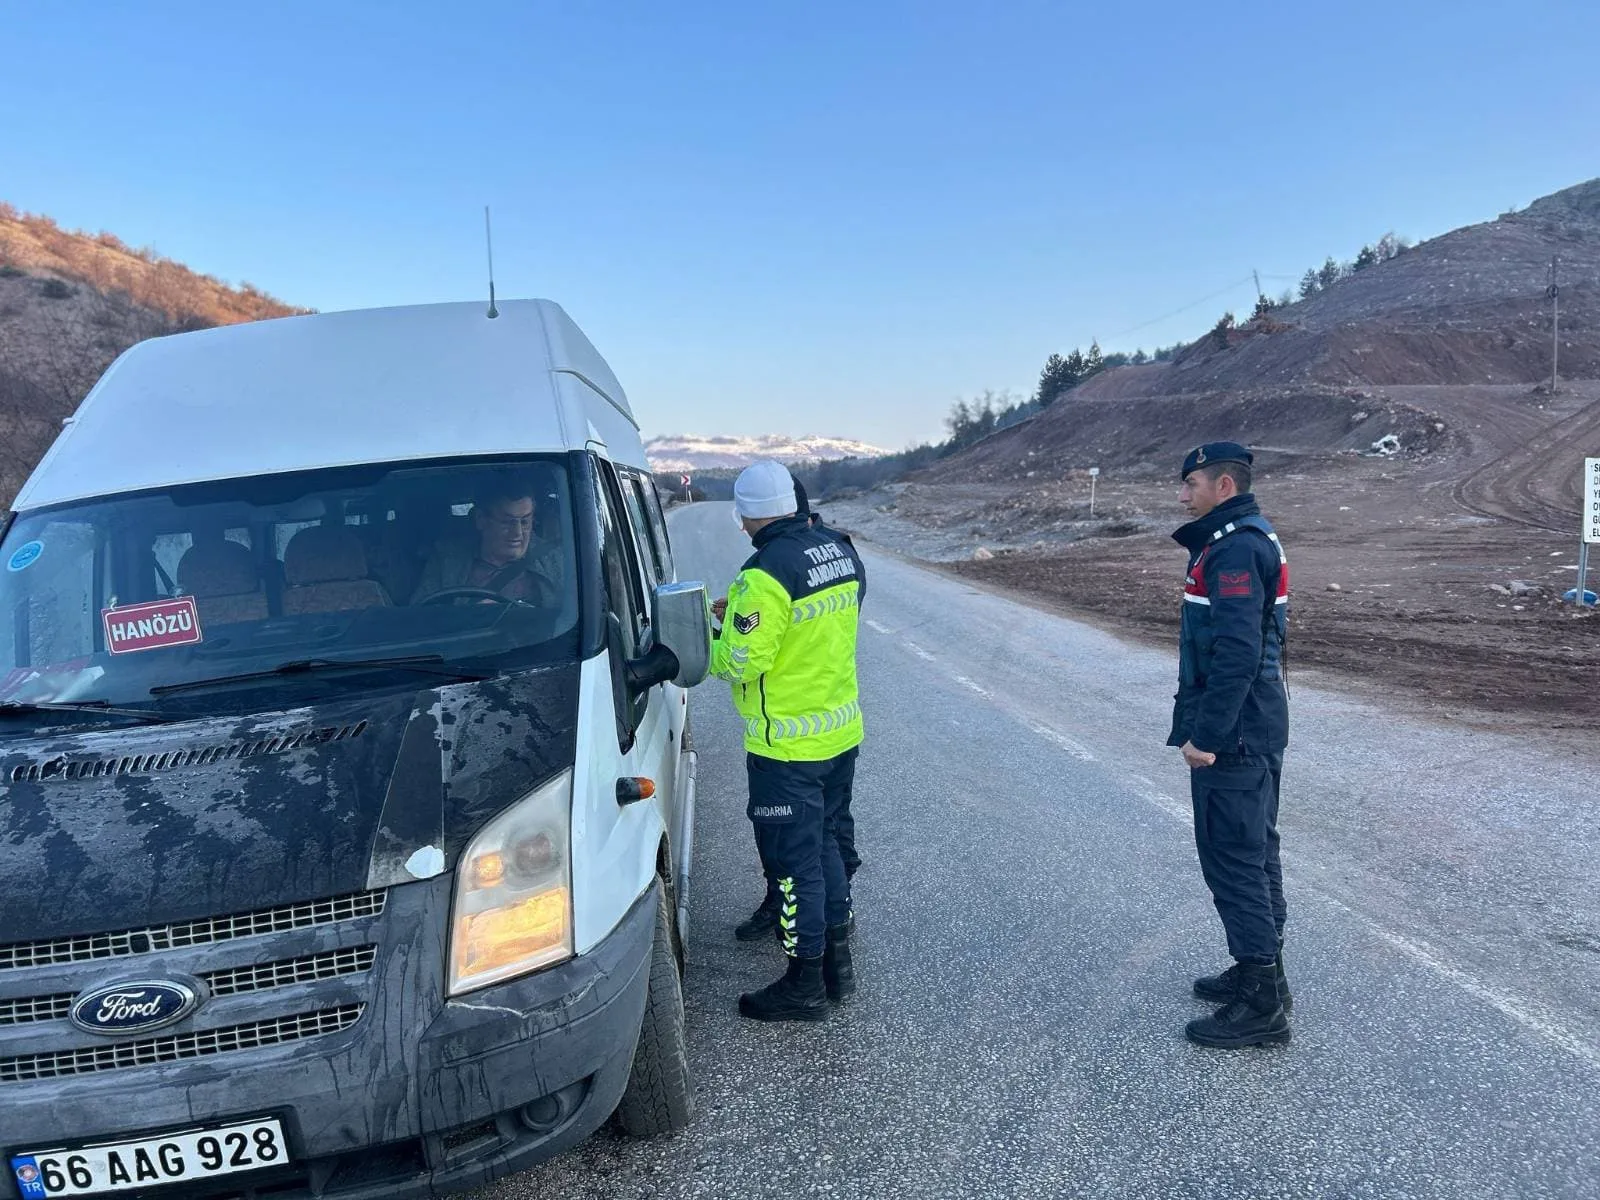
(788, 647)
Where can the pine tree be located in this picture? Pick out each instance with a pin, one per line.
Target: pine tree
(1093, 362)
(1366, 258)
(1050, 380)
(1310, 285)
(1220, 331)
(1073, 373)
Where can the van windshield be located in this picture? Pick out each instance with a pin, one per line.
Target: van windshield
(136, 600)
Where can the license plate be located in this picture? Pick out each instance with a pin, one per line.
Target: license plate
(151, 1162)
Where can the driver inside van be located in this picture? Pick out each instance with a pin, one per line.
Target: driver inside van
(505, 556)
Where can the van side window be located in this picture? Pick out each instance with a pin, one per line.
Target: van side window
(640, 491)
(658, 527)
(622, 577)
(633, 499)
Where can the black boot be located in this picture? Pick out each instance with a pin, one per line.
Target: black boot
(759, 923)
(1252, 1018)
(798, 996)
(838, 970)
(1219, 989)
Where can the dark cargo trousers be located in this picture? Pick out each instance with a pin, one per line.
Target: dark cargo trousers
(794, 807)
(1236, 833)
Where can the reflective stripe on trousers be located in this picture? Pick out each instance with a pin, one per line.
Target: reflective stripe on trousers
(786, 915)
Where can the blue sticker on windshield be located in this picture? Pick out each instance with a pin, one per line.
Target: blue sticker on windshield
(25, 556)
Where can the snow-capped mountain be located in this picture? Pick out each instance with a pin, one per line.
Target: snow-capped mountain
(691, 452)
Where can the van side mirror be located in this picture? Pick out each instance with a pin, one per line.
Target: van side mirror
(655, 665)
(682, 628)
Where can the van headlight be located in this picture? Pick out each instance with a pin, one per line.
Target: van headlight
(513, 903)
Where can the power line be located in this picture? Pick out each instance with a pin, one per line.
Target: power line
(1180, 311)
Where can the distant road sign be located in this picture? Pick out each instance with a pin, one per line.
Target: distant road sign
(685, 480)
(1591, 500)
(1094, 470)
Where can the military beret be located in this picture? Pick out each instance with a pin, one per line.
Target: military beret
(1214, 452)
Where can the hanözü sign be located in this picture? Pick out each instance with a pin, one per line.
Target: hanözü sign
(151, 626)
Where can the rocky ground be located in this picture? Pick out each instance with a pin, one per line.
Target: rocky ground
(1398, 585)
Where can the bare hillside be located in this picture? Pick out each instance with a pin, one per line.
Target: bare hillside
(1465, 308)
(36, 245)
(69, 304)
(1407, 444)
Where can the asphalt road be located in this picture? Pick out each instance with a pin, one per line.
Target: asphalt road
(1031, 915)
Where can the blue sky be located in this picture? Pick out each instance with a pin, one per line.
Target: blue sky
(824, 218)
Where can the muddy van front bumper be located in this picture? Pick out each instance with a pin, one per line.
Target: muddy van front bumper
(418, 1096)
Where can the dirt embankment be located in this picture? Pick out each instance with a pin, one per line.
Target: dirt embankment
(1408, 446)
(1435, 575)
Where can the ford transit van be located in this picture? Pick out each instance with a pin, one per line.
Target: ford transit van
(346, 786)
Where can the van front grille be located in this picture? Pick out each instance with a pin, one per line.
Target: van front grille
(295, 970)
(155, 938)
(36, 1008)
(28, 1067)
(254, 978)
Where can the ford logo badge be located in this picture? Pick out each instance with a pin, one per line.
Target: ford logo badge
(134, 1007)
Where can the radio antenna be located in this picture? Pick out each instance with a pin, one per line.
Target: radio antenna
(488, 239)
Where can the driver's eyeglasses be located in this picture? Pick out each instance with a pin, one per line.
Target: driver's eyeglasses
(513, 524)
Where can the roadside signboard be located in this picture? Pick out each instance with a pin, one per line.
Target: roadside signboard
(1591, 500)
(1591, 532)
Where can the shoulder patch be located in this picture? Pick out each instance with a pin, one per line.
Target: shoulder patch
(747, 624)
(1232, 583)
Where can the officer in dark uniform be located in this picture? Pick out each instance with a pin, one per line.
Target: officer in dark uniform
(1231, 722)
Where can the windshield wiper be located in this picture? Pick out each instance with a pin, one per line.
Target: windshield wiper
(428, 664)
(93, 707)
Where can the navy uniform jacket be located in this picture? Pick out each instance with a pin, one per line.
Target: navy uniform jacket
(845, 540)
(1231, 698)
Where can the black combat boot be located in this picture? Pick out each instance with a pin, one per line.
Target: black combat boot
(798, 996)
(1219, 989)
(759, 923)
(1252, 1018)
(838, 971)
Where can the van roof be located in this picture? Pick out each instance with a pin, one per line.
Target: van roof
(334, 389)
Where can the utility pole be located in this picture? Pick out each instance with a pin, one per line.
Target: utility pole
(1554, 292)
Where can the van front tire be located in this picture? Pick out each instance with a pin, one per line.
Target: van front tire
(660, 1096)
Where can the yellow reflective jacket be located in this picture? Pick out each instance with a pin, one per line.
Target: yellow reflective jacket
(788, 644)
